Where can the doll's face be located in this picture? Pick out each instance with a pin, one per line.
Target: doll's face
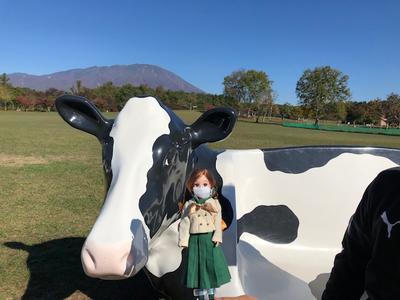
(202, 181)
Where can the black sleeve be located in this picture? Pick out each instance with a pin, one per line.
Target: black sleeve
(347, 277)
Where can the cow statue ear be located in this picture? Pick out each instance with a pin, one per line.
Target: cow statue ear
(214, 125)
(81, 114)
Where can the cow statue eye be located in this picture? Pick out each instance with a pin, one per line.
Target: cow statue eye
(169, 158)
(166, 163)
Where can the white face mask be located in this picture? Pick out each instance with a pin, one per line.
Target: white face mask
(202, 191)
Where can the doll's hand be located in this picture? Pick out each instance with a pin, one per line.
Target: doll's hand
(182, 245)
(216, 244)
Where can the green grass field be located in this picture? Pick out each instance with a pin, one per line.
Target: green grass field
(51, 190)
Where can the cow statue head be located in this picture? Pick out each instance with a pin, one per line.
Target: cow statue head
(148, 152)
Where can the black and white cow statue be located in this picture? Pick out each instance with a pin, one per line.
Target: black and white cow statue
(286, 209)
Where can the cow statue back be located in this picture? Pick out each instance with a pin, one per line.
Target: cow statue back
(286, 209)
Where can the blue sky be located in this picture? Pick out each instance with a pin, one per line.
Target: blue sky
(203, 41)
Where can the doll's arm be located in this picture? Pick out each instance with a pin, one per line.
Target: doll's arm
(184, 226)
(217, 236)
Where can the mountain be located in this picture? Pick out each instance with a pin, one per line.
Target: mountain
(136, 74)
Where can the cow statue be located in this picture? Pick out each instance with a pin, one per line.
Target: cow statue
(286, 209)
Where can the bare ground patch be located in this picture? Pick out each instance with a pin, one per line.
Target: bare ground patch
(20, 160)
(11, 160)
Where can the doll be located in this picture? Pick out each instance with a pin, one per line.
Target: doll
(200, 231)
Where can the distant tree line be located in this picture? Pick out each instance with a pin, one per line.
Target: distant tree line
(323, 93)
(106, 97)
(377, 112)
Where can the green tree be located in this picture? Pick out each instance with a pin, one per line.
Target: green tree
(275, 110)
(296, 112)
(392, 109)
(78, 88)
(4, 79)
(124, 93)
(234, 86)
(373, 111)
(6, 95)
(252, 87)
(106, 96)
(6, 91)
(160, 92)
(341, 111)
(316, 88)
(356, 112)
(285, 111)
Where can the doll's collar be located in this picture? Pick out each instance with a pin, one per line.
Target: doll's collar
(202, 200)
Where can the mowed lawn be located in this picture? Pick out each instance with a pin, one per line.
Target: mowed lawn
(51, 190)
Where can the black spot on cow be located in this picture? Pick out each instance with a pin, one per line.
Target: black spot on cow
(276, 224)
(166, 178)
(300, 159)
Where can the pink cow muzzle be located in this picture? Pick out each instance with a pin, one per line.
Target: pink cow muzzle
(116, 261)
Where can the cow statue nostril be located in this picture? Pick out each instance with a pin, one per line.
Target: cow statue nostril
(88, 261)
(130, 265)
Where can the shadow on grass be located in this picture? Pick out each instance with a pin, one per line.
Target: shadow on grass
(56, 273)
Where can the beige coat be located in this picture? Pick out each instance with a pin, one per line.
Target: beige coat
(198, 218)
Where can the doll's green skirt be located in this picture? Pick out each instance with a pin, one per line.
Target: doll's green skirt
(206, 265)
